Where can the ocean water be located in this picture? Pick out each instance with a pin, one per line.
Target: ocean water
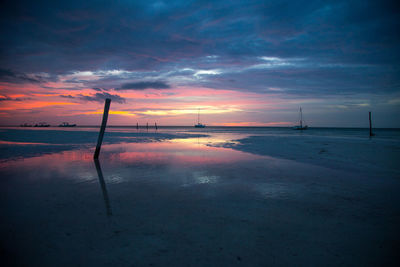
(313, 131)
(181, 196)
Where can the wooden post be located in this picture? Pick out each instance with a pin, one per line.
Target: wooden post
(155, 124)
(103, 128)
(137, 126)
(370, 125)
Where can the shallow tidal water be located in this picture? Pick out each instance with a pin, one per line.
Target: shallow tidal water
(181, 200)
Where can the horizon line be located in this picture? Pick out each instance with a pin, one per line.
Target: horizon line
(210, 126)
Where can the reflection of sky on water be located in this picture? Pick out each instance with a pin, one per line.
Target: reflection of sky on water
(178, 151)
(179, 154)
(181, 163)
(186, 163)
(202, 177)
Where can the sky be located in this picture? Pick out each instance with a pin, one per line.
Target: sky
(242, 63)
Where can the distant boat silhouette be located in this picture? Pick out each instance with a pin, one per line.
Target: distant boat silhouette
(26, 125)
(300, 127)
(66, 124)
(199, 125)
(42, 124)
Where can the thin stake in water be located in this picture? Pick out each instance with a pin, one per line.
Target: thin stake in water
(370, 125)
(103, 128)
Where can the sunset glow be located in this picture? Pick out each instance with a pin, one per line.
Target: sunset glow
(240, 63)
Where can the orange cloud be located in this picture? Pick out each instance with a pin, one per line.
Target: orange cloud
(115, 112)
(279, 123)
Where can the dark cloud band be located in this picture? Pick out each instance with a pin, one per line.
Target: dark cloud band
(144, 85)
(98, 97)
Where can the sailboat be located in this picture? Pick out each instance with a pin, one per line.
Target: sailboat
(301, 126)
(199, 125)
(66, 124)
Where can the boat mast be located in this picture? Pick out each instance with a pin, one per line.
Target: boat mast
(198, 116)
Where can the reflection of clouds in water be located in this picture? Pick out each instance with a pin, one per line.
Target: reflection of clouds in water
(176, 155)
(115, 179)
(272, 190)
(86, 177)
(174, 152)
(201, 178)
(206, 141)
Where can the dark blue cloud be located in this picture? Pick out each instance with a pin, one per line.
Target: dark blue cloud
(67, 96)
(7, 98)
(7, 75)
(144, 85)
(97, 97)
(100, 97)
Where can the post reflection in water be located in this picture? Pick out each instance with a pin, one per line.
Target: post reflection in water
(103, 186)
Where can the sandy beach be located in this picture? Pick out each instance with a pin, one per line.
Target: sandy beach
(187, 197)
